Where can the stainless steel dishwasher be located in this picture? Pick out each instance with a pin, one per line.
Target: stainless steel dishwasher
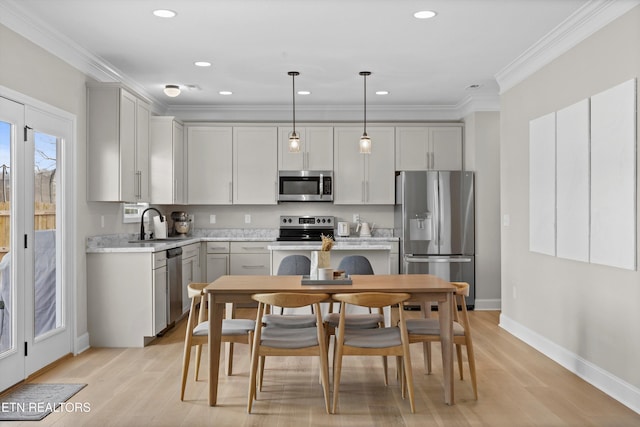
(174, 291)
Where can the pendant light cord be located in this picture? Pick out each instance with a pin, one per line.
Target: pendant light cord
(365, 74)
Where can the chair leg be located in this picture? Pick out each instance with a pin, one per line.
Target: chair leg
(198, 358)
(229, 357)
(261, 373)
(337, 367)
(185, 368)
(459, 357)
(324, 369)
(408, 375)
(386, 370)
(427, 356)
(472, 368)
(252, 379)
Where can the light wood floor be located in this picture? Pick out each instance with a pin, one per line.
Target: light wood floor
(517, 387)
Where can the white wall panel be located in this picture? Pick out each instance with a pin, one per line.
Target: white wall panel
(613, 176)
(542, 180)
(572, 186)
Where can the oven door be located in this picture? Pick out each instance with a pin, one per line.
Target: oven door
(303, 186)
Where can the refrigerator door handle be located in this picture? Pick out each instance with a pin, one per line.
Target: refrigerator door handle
(430, 260)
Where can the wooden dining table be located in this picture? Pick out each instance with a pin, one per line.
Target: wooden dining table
(239, 289)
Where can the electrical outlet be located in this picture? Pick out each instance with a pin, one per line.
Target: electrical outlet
(212, 219)
(247, 219)
(356, 217)
(102, 221)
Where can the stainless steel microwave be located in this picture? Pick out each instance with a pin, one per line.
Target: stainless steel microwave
(305, 186)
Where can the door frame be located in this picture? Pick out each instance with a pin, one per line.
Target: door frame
(68, 208)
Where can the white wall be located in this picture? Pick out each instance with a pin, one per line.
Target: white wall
(584, 315)
(482, 155)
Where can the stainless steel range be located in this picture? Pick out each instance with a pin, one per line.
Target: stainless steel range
(305, 228)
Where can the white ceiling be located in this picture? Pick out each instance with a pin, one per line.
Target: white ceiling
(252, 44)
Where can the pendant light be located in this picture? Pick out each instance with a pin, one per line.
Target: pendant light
(365, 141)
(294, 139)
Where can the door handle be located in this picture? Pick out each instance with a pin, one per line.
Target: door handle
(435, 260)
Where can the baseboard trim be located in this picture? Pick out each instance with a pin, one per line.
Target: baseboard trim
(617, 388)
(81, 344)
(487, 304)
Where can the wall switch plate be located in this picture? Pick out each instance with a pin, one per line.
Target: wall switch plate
(247, 219)
(506, 220)
(356, 217)
(212, 219)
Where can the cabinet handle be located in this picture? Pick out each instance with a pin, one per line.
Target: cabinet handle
(366, 191)
(363, 190)
(247, 248)
(217, 248)
(253, 267)
(230, 192)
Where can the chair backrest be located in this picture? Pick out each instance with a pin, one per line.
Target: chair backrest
(373, 299)
(355, 264)
(290, 299)
(294, 265)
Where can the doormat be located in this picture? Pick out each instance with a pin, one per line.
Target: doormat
(33, 402)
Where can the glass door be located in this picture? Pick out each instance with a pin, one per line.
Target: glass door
(34, 301)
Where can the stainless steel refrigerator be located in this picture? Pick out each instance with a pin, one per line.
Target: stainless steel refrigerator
(435, 220)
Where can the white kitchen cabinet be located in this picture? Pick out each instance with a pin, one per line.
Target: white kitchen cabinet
(316, 149)
(190, 271)
(166, 148)
(126, 298)
(217, 260)
(255, 165)
(160, 291)
(364, 178)
(117, 144)
(429, 147)
(249, 258)
(209, 165)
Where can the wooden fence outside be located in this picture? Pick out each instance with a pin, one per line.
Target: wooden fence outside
(45, 219)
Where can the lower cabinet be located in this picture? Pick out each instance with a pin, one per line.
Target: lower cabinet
(126, 298)
(190, 271)
(249, 258)
(217, 260)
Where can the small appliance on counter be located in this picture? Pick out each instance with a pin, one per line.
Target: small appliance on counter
(181, 224)
(344, 229)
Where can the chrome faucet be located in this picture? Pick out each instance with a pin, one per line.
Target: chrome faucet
(142, 220)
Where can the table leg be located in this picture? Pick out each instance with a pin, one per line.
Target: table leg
(215, 337)
(445, 309)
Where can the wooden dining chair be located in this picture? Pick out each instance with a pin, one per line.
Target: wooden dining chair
(197, 333)
(427, 330)
(387, 341)
(280, 338)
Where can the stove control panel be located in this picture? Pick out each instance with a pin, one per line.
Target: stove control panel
(287, 221)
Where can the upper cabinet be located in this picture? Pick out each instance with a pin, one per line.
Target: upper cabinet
(255, 165)
(364, 178)
(316, 149)
(209, 165)
(117, 145)
(429, 147)
(167, 161)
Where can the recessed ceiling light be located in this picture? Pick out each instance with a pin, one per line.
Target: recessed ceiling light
(164, 13)
(382, 92)
(304, 92)
(202, 64)
(474, 86)
(225, 92)
(425, 14)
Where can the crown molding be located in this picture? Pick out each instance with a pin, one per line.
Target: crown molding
(584, 22)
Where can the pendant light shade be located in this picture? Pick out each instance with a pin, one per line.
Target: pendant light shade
(172, 90)
(365, 141)
(294, 139)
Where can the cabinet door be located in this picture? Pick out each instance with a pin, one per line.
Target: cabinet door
(255, 159)
(142, 151)
(159, 299)
(217, 265)
(209, 166)
(179, 181)
(411, 148)
(446, 147)
(380, 168)
(319, 149)
(128, 181)
(249, 264)
(349, 166)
